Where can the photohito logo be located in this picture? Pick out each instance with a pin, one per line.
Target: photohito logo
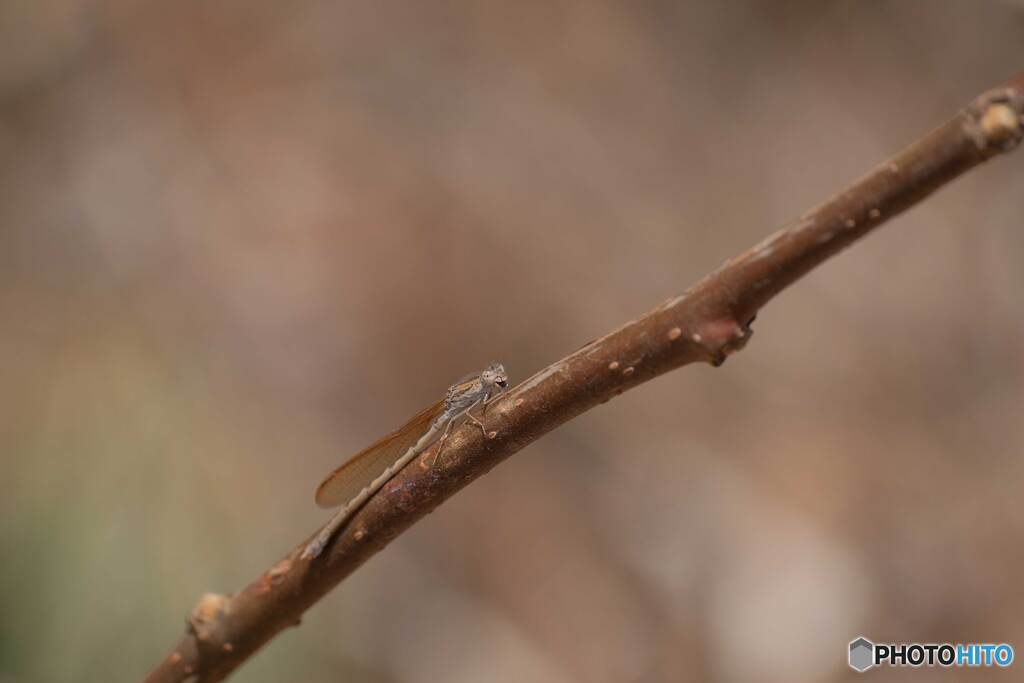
(864, 654)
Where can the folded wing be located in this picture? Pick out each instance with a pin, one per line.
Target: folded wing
(344, 483)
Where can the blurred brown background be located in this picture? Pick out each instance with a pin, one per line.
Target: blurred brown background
(240, 240)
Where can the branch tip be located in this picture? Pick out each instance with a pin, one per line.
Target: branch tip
(995, 121)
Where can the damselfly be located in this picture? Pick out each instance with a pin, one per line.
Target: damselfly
(366, 472)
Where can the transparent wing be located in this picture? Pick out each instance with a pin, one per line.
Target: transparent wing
(466, 379)
(344, 483)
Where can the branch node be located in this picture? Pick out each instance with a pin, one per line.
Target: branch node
(205, 617)
(280, 569)
(722, 337)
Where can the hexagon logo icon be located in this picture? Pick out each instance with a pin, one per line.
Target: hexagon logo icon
(862, 653)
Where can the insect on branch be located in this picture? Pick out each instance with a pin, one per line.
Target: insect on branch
(706, 324)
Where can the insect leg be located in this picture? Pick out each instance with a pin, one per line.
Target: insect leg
(491, 397)
(440, 442)
(474, 420)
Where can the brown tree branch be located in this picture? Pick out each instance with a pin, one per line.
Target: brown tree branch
(707, 323)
